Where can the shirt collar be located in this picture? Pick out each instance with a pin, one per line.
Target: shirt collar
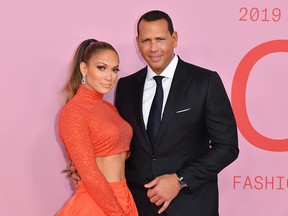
(168, 71)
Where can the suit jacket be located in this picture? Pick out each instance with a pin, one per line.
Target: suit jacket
(197, 137)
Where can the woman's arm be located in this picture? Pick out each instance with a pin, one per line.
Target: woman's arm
(74, 132)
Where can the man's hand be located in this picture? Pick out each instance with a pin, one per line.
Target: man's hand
(162, 190)
(72, 172)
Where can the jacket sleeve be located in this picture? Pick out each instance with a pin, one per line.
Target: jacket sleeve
(74, 132)
(222, 131)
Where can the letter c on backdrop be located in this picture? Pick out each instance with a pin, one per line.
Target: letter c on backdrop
(238, 98)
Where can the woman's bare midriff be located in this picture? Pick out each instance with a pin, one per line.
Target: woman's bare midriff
(113, 166)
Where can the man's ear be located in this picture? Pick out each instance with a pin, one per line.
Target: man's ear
(137, 41)
(83, 68)
(175, 39)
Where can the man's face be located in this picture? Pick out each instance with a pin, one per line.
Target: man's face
(156, 44)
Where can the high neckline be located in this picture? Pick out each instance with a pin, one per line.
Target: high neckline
(88, 93)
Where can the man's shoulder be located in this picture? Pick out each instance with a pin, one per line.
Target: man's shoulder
(196, 71)
(195, 68)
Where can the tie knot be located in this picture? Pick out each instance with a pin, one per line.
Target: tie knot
(158, 79)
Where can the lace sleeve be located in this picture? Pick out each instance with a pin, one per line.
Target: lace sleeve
(74, 132)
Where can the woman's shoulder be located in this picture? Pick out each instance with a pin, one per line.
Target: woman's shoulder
(71, 110)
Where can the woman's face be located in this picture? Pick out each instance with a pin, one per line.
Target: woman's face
(101, 71)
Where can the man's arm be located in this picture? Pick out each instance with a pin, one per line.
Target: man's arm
(222, 131)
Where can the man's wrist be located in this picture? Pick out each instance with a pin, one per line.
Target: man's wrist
(181, 181)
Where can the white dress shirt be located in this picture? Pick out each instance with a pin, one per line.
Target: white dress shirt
(150, 87)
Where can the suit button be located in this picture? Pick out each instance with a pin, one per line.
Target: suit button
(153, 158)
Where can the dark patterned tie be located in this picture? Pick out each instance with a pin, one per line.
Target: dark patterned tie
(155, 111)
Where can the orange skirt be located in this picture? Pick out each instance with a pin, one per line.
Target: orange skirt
(82, 204)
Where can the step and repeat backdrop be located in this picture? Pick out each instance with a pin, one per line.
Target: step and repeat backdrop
(246, 42)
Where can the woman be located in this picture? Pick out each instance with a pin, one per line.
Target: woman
(96, 138)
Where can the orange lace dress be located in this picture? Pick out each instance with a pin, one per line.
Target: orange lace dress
(90, 127)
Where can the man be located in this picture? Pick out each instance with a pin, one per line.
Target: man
(174, 172)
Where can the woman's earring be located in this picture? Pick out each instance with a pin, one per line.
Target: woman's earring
(83, 80)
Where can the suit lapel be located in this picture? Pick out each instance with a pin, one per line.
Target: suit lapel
(138, 100)
(179, 84)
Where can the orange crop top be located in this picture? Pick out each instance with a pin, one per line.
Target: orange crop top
(90, 127)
